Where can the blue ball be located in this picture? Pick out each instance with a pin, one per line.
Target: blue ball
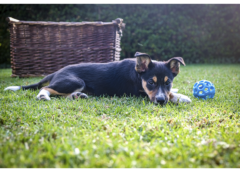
(203, 89)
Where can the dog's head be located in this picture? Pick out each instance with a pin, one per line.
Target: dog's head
(157, 77)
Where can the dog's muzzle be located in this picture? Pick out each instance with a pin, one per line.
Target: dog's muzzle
(160, 97)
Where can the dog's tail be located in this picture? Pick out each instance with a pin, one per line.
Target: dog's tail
(45, 81)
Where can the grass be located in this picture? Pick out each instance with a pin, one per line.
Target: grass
(126, 131)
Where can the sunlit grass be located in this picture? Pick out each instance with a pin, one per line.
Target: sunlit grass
(123, 132)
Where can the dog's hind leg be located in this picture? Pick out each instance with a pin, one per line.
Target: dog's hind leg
(43, 95)
(70, 88)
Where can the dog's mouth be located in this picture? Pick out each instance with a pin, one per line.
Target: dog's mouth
(164, 103)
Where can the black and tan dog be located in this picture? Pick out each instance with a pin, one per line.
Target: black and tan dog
(140, 76)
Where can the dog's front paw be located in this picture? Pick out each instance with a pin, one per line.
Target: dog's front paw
(76, 95)
(179, 98)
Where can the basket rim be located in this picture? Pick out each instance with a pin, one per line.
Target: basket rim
(96, 23)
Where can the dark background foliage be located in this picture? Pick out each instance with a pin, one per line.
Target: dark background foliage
(198, 33)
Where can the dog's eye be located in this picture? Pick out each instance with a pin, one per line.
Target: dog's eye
(151, 82)
(167, 82)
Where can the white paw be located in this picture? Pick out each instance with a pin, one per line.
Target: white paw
(179, 98)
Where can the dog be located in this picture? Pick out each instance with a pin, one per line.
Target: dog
(130, 77)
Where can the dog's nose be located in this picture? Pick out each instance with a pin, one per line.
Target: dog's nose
(160, 100)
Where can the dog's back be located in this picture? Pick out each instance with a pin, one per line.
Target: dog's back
(114, 78)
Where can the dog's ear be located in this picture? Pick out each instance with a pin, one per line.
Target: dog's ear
(174, 64)
(143, 61)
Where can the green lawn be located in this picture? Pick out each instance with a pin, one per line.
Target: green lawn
(123, 132)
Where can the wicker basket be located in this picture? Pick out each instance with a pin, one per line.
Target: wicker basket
(41, 48)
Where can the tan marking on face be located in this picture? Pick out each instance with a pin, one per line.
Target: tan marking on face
(155, 79)
(151, 94)
(165, 79)
(170, 96)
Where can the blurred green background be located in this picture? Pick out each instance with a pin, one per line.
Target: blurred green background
(199, 33)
